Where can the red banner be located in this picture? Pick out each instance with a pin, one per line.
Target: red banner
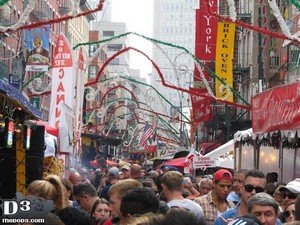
(206, 34)
(276, 109)
(201, 106)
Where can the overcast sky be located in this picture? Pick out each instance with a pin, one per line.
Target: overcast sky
(138, 16)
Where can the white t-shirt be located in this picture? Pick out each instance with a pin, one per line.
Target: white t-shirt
(193, 207)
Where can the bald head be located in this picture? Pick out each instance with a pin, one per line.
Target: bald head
(135, 170)
(75, 178)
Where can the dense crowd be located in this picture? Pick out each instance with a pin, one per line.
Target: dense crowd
(130, 195)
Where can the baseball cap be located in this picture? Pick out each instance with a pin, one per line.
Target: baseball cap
(293, 186)
(126, 167)
(113, 172)
(222, 174)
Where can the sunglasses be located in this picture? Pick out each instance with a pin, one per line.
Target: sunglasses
(288, 194)
(288, 214)
(250, 188)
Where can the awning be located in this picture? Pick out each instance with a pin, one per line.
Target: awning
(207, 147)
(179, 162)
(276, 109)
(19, 99)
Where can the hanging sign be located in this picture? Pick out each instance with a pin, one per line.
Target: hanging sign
(62, 80)
(276, 109)
(202, 162)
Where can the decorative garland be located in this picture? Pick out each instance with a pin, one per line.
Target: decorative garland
(232, 10)
(197, 61)
(161, 77)
(144, 84)
(278, 16)
(24, 17)
(3, 2)
(295, 3)
(249, 26)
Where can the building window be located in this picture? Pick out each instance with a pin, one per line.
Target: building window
(93, 48)
(295, 58)
(114, 47)
(93, 70)
(274, 58)
(115, 61)
(108, 33)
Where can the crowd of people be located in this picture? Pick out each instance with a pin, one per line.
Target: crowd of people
(130, 195)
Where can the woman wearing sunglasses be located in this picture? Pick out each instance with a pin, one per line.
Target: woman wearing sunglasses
(289, 195)
(290, 192)
(289, 214)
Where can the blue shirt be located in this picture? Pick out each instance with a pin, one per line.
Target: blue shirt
(233, 197)
(232, 213)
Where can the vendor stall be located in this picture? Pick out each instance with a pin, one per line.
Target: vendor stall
(272, 145)
(20, 162)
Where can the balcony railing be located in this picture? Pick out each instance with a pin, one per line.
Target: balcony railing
(5, 15)
(42, 10)
(65, 7)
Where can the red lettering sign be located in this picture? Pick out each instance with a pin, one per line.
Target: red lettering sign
(62, 56)
(276, 109)
(206, 33)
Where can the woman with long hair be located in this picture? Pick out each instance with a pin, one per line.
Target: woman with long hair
(100, 211)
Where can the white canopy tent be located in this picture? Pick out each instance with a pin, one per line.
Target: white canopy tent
(223, 155)
(266, 158)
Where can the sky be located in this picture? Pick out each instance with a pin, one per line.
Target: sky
(138, 16)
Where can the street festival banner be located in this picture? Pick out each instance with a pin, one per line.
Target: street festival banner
(200, 106)
(205, 49)
(79, 99)
(62, 93)
(276, 109)
(205, 40)
(37, 49)
(224, 60)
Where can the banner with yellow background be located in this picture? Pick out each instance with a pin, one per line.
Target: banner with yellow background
(224, 60)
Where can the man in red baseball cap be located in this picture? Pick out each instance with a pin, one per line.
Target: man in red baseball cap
(215, 202)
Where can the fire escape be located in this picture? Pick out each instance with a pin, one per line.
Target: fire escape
(227, 120)
(5, 12)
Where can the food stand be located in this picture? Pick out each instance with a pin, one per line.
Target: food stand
(20, 163)
(272, 144)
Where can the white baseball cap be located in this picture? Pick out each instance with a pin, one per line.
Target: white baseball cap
(293, 186)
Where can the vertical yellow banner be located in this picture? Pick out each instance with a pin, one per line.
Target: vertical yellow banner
(224, 60)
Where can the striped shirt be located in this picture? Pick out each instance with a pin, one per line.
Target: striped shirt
(209, 208)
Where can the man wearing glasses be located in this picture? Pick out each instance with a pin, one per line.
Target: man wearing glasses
(254, 182)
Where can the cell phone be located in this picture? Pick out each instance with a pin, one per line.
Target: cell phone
(186, 180)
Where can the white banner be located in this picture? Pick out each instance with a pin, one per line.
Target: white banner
(62, 80)
(79, 99)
